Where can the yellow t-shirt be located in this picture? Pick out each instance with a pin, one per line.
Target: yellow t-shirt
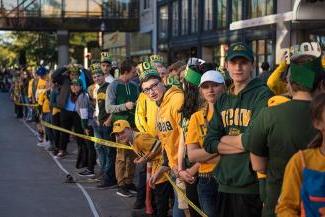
(44, 101)
(197, 130)
(168, 123)
(289, 203)
(40, 88)
(142, 144)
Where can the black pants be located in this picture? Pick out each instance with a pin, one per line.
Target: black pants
(162, 193)
(239, 205)
(56, 133)
(68, 120)
(191, 193)
(19, 111)
(91, 153)
(141, 174)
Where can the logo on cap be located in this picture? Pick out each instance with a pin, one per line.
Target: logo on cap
(239, 48)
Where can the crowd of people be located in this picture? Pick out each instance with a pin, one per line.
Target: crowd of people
(236, 144)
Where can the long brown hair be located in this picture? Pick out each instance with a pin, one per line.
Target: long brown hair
(317, 109)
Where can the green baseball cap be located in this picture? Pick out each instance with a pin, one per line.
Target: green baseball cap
(306, 74)
(240, 50)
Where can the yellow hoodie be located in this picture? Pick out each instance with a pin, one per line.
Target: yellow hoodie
(275, 82)
(168, 122)
(145, 115)
(44, 101)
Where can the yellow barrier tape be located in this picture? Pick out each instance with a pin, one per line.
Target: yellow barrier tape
(93, 139)
(27, 104)
(118, 145)
(182, 194)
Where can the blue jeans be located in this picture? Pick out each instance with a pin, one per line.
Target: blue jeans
(106, 155)
(207, 189)
(177, 212)
(27, 109)
(47, 117)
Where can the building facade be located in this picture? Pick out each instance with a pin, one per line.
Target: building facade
(136, 45)
(202, 28)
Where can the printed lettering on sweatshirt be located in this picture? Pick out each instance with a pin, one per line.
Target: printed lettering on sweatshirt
(236, 117)
(164, 126)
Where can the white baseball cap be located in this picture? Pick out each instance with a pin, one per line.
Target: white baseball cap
(212, 75)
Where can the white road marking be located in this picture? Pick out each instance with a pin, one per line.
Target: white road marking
(85, 193)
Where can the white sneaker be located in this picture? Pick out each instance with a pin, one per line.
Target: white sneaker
(43, 144)
(47, 144)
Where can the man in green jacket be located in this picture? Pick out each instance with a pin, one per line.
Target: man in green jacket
(235, 110)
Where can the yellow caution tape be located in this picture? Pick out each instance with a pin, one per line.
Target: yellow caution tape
(27, 104)
(182, 194)
(118, 145)
(93, 139)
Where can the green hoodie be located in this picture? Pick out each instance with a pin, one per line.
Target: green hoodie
(233, 115)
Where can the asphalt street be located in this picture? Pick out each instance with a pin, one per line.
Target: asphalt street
(32, 183)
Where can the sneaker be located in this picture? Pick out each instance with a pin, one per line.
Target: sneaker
(123, 192)
(40, 137)
(138, 204)
(104, 185)
(41, 144)
(47, 145)
(131, 188)
(87, 173)
(60, 155)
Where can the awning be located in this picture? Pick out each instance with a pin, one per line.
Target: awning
(307, 10)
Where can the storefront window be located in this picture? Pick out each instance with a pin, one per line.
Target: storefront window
(163, 22)
(258, 8)
(221, 13)
(184, 17)
(194, 16)
(175, 19)
(208, 15)
(263, 50)
(237, 10)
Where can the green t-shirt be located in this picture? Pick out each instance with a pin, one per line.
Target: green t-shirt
(277, 133)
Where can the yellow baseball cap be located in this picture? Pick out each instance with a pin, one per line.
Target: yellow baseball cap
(120, 125)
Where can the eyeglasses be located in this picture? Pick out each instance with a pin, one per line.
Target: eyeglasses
(152, 87)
